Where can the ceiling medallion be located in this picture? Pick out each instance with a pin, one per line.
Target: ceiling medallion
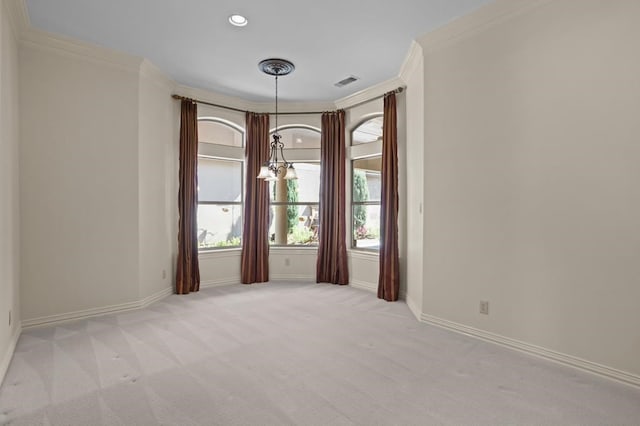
(276, 67)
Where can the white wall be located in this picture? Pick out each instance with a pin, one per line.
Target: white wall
(157, 181)
(98, 185)
(78, 182)
(298, 264)
(9, 190)
(531, 175)
(413, 75)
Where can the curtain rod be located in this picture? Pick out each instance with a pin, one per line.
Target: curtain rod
(398, 90)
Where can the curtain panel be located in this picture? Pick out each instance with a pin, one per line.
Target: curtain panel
(187, 270)
(331, 265)
(389, 276)
(255, 238)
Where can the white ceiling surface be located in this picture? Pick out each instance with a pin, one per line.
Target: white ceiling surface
(193, 43)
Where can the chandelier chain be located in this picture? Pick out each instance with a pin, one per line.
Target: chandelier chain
(277, 163)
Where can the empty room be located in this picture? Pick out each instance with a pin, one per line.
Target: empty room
(419, 212)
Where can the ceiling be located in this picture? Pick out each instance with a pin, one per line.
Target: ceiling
(193, 43)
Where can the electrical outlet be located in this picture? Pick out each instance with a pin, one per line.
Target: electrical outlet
(287, 262)
(484, 307)
(164, 274)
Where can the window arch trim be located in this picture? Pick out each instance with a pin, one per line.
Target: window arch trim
(223, 121)
(295, 126)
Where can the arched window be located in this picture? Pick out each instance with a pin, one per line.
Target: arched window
(293, 218)
(220, 183)
(368, 131)
(366, 164)
(219, 132)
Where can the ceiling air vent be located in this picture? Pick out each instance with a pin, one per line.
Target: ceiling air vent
(346, 81)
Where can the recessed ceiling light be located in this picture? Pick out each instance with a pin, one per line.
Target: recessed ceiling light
(238, 20)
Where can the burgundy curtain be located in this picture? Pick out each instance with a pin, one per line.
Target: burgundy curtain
(255, 242)
(332, 251)
(188, 271)
(389, 277)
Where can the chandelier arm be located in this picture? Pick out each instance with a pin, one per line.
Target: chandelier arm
(272, 154)
(276, 144)
(284, 160)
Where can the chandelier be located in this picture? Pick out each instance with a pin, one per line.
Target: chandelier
(277, 166)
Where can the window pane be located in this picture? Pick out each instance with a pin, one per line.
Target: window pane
(299, 137)
(219, 225)
(366, 179)
(294, 224)
(369, 131)
(366, 226)
(219, 133)
(305, 189)
(219, 180)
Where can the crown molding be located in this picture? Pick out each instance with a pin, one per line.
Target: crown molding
(301, 107)
(244, 105)
(411, 62)
(18, 16)
(479, 20)
(150, 71)
(217, 98)
(369, 93)
(75, 48)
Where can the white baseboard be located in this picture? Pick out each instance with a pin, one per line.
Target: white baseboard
(272, 277)
(8, 355)
(218, 283)
(155, 297)
(291, 277)
(364, 285)
(373, 287)
(581, 364)
(414, 309)
(93, 312)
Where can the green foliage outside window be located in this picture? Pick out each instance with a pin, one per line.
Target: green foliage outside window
(292, 210)
(231, 242)
(360, 193)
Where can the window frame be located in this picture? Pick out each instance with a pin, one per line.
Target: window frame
(362, 203)
(209, 150)
(297, 155)
(361, 151)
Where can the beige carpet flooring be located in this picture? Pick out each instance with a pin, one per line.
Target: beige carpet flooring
(290, 354)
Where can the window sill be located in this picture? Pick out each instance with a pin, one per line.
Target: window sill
(290, 246)
(222, 252)
(295, 249)
(366, 254)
